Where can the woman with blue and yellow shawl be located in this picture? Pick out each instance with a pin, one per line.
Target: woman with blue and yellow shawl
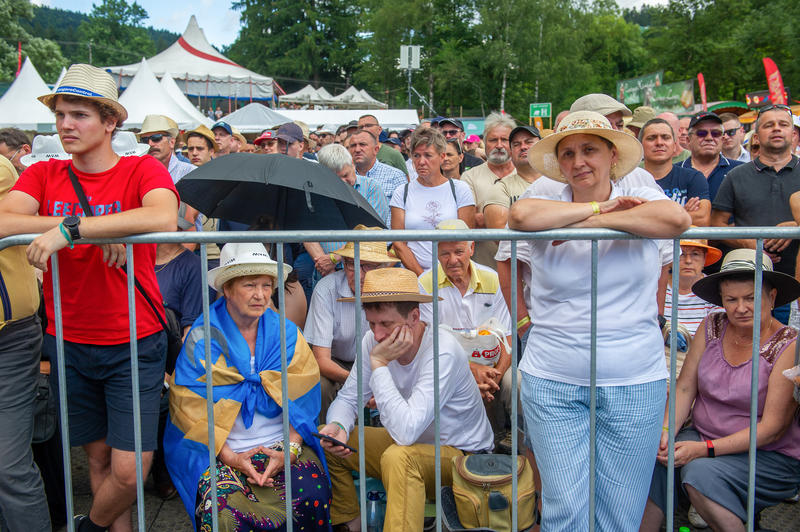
(249, 444)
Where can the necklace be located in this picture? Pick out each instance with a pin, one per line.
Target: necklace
(748, 340)
(171, 258)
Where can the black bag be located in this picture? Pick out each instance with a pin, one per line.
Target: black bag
(174, 338)
(44, 410)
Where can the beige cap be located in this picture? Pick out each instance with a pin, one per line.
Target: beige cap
(599, 103)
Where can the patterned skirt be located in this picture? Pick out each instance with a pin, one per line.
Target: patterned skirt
(243, 507)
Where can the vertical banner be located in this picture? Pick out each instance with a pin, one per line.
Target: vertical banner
(774, 82)
(702, 82)
(19, 57)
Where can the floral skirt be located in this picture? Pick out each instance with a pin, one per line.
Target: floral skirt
(243, 507)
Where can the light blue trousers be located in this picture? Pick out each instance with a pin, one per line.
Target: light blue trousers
(628, 427)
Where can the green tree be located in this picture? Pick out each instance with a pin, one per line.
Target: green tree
(45, 54)
(114, 34)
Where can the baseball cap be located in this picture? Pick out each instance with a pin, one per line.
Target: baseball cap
(456, 122)
(699, 117)
(599, 103)
(475, 138)
(290, 132)
(266, 135)
(224, 125)
(530, 129)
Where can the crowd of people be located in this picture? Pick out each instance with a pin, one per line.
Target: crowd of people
(654, 177)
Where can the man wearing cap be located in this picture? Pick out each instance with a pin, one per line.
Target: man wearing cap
(763, 192)
(201, 145)
(127, 195)
(506, 191)
(453, 128)
(331, 323)
(386, 155)
(733, 138)
(290, 140)
(364, 148)
(705, 143)
(267, 142)
(686, 186)
(14, 144)
(397, 372)
(159, 132)
(471, 296)
(226, 142)
(681, 154)
(325, 136)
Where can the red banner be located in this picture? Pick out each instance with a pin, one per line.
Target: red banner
(702, 82)
(19, 57)
(774, 82)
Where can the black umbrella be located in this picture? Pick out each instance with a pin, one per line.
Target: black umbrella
(275, 190)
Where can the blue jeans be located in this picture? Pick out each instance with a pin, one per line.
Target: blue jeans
(628, 428)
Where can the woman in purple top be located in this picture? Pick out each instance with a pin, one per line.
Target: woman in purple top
(714, 388)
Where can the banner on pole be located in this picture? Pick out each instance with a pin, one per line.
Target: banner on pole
(675, 97)
(702, 82)
(774, 81)
(637, 91)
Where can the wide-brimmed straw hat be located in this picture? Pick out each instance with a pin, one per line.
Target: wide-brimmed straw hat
(390, 284)
(240, 259)
(542, 155)
(124, 144)
(207, 134)
(156, 123)
(44, 148)
(368, 251)
(90, 82)
(744, 261)
(712, 254)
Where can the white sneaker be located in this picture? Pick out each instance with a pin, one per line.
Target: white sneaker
(695, 519)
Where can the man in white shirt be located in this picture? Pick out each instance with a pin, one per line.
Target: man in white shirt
(397, 372)
(471, 296)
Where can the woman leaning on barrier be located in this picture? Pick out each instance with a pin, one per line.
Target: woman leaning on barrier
(711, 454)
(249, 443)
(587, 154)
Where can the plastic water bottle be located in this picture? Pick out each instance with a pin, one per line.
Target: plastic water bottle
(375, 512)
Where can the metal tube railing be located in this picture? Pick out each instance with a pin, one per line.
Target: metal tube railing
(279, 237)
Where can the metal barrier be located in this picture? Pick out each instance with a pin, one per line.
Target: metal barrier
(595, 235)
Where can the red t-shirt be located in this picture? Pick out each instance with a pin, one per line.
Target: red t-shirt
(94, 296)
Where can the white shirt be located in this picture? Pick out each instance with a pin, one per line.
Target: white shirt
(331, 323)
(177, 168)
(482, 300)
(404, 395)
(629, 343)
(425, 207)
(264, 430)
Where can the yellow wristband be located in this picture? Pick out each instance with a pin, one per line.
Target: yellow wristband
(524, 321)
(666, 428)
(333, 258)
(595, 207)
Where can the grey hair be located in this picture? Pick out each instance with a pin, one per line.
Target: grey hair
(495, 120)
(335, 156)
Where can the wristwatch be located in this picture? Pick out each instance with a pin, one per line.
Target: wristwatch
(71, 224)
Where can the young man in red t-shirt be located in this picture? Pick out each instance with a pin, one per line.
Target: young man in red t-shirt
(127, 195)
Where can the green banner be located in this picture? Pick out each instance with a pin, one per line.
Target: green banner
(634, 92)
(675, 97)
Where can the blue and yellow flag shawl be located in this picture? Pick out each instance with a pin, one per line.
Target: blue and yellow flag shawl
(236, 389)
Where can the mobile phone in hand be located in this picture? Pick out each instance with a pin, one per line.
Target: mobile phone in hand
(333, 441)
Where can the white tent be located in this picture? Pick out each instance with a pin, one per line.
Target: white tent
(171, 88)
(19, 106)
(145, 96)
(200, 70)
(308, 95)
(60, 77)
(352, 97)
(372, 101)
(388, 118)
(324, 94)
(255, 118)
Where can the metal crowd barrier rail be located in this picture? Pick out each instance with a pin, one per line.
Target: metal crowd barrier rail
(595, 235)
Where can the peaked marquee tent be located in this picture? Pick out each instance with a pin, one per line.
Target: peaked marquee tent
(255, 118)
(200, 70)
(19, 106)
(171, 88)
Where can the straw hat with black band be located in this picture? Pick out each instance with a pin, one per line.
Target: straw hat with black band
(386, 285)
(741, 261)
(543, 158)
(368, 251)
(87, 81)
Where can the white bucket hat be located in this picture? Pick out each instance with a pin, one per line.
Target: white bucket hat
(124, 144)
(43, 148)
(240, 259)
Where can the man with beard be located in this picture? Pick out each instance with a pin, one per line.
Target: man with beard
(498, 166)
(159, 132)
(758, 193)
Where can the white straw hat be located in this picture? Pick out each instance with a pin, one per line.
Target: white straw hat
(240, 259)
(542, 155)
(43, 148)
(124, 144)
(89, 82)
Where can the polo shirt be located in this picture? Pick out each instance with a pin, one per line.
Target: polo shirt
(177, 168)
(374, 196)
(387, 177)
(392, 157)
(331, 323)
(724, 165)
(757, 195)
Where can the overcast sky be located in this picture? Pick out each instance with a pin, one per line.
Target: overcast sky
(219, 22)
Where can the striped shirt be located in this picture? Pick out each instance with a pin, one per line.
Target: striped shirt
(177, 168)
(387, 177)
(374, 196)
(691, 309)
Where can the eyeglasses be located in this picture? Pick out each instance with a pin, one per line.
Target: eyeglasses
(157, 137)
(450, 132)
(11, 159)
(365, 266)
(703, 133)
(731, 132)
(774, 106)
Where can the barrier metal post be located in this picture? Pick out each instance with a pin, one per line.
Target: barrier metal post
(593, 395)
(751, 476)
(287, 456)
(673, 365)
(362, 460)
(437, 457)
(514, 389)
(135, 393)
(212, 455)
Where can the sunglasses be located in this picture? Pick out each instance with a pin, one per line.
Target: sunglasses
(158, 137)
(774, 106)
(703, 133)
(731, 132)
(450, 132)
